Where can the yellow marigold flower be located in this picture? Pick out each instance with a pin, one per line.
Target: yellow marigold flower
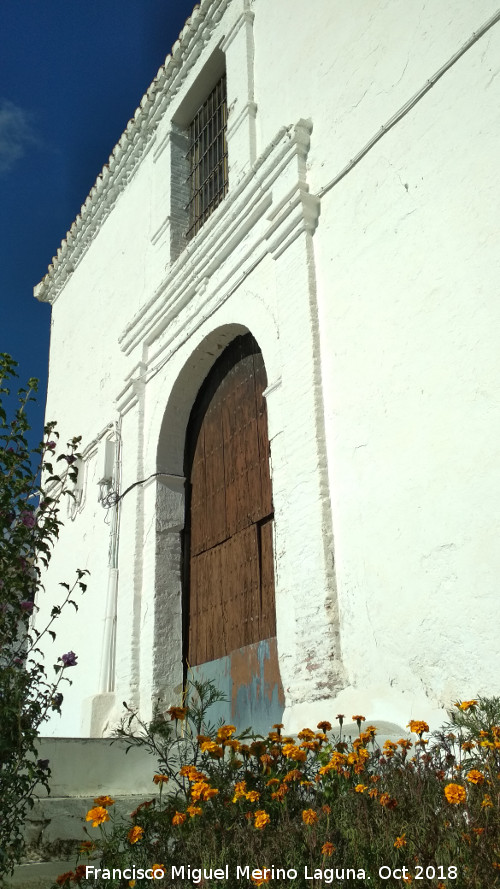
(325, 726)
(98, 816)
(261, 876)
(465, 705)
(327, 849)
(194, 810)
(210, 747)
(360, 788)
(486, 803)
(418, 726)
(135, 833)
(252, 796)
(177, 712)
(179, 818)
(475, 776)
(209, 793)
(160, 779)
(225, 732)
(399, 842)
(156, 868)
(104, 801)
(240, 789)
(261, 819)
(455, 794)
(309, 816)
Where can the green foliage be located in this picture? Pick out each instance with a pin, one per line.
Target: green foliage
(427, 809)
(30, 496)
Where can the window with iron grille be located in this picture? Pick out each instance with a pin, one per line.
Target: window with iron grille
(207, 158)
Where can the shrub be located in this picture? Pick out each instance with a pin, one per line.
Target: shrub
(312, 810)
(29, 526)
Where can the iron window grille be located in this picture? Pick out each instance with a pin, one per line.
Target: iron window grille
(207, 155)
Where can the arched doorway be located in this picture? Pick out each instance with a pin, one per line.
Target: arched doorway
(229, 612)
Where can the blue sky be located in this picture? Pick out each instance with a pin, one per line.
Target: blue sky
(72, 73)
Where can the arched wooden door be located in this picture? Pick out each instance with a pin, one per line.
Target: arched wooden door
(229, 607)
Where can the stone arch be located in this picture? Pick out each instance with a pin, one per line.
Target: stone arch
(170, 516)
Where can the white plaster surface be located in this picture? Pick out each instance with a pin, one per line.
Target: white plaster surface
(376, 307)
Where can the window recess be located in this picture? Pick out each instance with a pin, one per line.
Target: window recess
(207, 158)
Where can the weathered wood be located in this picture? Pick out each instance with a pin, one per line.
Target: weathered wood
(229, 542)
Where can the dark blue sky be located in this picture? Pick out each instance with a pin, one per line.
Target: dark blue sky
(72, 73)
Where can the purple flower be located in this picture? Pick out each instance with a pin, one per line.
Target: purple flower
(69, 659)
(26, 605)
(51, 445)
(28, 519)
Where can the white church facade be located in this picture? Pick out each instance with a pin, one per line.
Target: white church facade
(276, 325)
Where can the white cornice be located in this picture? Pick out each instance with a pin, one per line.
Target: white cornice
(131, 147)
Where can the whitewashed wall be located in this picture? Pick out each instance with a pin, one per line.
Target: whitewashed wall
(375, 305)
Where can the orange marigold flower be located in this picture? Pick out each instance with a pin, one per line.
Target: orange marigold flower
(131, 884)
(144, 805)
(306, 734)
(80, 872)
(179, 818)
(194, 810)
(399, 842)
(104, 801)
(325, 726)
(86, 846)
(468, 745)
(475, 776)
(272, 781)
(97, 815)
(252, 796)
(279, 725)
(280, 792)
(384, 799)
(261, 819)
(294, 775)
(309, 816)
(360, 788)
(158, 871)
(64, 879)
(232, 743)
(135, 833)
(373, 793)
(478, 830)
(160, 779)
(465, 705)
(486, 803)
(405, 743)
(225, 732)
(240, 790)
(418, 726)
(210, 747)
(177, 712)
(327, 849)
(357, 719)
(455, 794)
